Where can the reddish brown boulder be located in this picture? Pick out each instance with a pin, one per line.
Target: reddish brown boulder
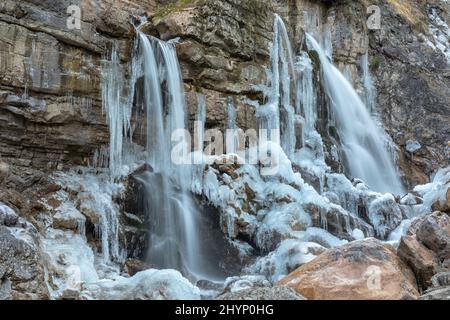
(420, 259)
(367, 269)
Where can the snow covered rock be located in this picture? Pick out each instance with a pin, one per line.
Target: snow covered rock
(413, 146)
(289, 255)
(436, 195)
(146, 285)
(437, 294)
(70, 263)
(385, 215)
(443, 204)
(7, 216)
(68, 217)
(367, 269)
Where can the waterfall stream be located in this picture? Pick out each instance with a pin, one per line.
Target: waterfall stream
(174, 219)
(365, 153)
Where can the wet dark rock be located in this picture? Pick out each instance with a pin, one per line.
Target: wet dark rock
(434, 233)
(134, 266)
(421, 260)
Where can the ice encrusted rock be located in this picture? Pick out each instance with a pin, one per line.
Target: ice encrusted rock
(385, 215)
(146, 285)
(289, 255)
(7, 215)
(435, 192)
(68, 217)
(70, 262)
(271, 209)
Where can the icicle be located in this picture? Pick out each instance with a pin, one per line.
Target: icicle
(232, 139)
(118, 111)
(278, 113)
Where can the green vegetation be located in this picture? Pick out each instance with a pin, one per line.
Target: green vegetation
(375, 63)
(172, 7)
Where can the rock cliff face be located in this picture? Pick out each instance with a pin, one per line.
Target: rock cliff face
(51, 75)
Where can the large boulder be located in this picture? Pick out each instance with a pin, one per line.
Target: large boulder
(434, 233)
(367, 269)
(420, 259)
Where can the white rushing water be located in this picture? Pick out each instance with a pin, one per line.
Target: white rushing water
(174, 231)
(362, 143)
(369, 86)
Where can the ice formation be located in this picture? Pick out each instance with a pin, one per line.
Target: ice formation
(265, 207)
(440, 32)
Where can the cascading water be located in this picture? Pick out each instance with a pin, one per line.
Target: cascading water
(362, 143)
(370, 98)
(175, 221)
(369, 87)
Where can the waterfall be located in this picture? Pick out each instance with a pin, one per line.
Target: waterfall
(174, 230)
(371, 103)
(369, 86)
(362, 142)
